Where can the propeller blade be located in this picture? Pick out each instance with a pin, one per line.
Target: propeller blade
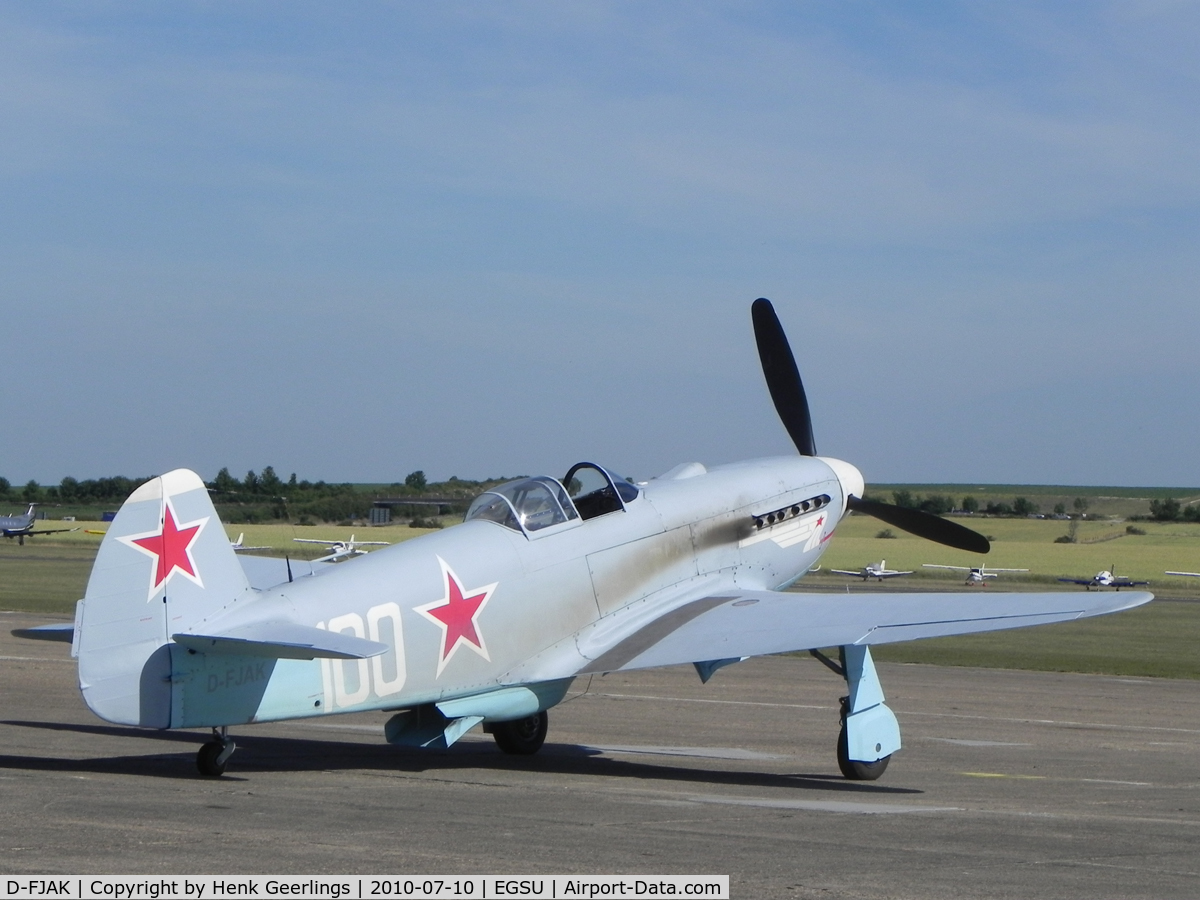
(783, 378)
(922, 524)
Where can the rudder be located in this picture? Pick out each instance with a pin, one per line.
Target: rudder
(164, 564)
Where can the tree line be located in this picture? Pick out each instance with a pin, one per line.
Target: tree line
(1171, 510)
(71, 490)
(259, 496)
(1021, 507)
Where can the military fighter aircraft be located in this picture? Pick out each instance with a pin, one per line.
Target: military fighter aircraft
(1104, 579)
(975, 574)
(877, 570)
(339, 550)
(488, 623)
(21, 526)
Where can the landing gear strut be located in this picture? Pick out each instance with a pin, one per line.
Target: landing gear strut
(211, 759)
(521, 737)
(869, 734)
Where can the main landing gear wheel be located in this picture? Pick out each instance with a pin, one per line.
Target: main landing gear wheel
(213, 756)
(856, 770)
(522, 737)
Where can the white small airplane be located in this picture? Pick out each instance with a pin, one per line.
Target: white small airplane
(877, 570)
(975, 574)
(339, 550)
(1105, 578)
(1188, 574)
(238, 545)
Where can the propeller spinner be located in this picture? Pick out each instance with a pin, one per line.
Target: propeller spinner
(787, 392)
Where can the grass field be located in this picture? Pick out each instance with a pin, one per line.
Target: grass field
(1161, 639)
(1029, 544)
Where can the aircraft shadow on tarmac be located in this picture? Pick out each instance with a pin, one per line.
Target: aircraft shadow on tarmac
(258, 753)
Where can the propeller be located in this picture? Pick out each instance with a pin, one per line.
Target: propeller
(922, 524)
(783, 378)
(787, 392)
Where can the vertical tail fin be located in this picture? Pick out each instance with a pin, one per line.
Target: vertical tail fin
(164, 564)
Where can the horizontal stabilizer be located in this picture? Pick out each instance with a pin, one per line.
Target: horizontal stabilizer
(282, 640)
(64, 632)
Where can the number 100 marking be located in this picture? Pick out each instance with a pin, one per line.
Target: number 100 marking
(349, 682)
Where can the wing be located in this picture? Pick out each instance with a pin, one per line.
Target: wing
(1084, 581)
(1125, 582)
(315, 541)
(955, 568)
(52, 531)
(1189, 574)
(737, 624)
(855, 574)
(891, 574)
(337, 555)
(268, 571)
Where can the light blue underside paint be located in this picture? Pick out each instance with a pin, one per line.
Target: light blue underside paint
(862, 679)
(872, 731)
(708, 668)
(872, 734)
(295, 690)
(506, 704)
(441, 724)
(225, 689)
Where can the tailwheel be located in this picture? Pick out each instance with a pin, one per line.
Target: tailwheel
(522, 737)
(856, 770)
(213, 756)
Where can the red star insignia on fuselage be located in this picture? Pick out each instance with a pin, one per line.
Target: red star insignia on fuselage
(456, 615)
(171, 548)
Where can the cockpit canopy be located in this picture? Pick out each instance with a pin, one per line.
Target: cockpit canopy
(532, 505)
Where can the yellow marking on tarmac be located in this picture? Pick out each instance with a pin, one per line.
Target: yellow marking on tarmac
(1003, 775)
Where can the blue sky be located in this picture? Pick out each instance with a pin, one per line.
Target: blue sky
(354, 240)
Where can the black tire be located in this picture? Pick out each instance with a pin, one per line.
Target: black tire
(521, 737)
(856, 770)
(206, 760)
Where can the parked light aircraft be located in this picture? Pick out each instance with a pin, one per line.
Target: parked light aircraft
(240, 547)
(488, 623)
(1104, 579)
(975, 574)
(339, 550)
(872, 570)
(21, 526)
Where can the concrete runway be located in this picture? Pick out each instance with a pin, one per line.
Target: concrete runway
(1011, 784)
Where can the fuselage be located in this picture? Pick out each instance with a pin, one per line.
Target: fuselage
(13, 526)
(481, 605)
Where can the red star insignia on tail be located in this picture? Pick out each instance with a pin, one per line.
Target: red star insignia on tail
(456, 614)
(171, 548)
